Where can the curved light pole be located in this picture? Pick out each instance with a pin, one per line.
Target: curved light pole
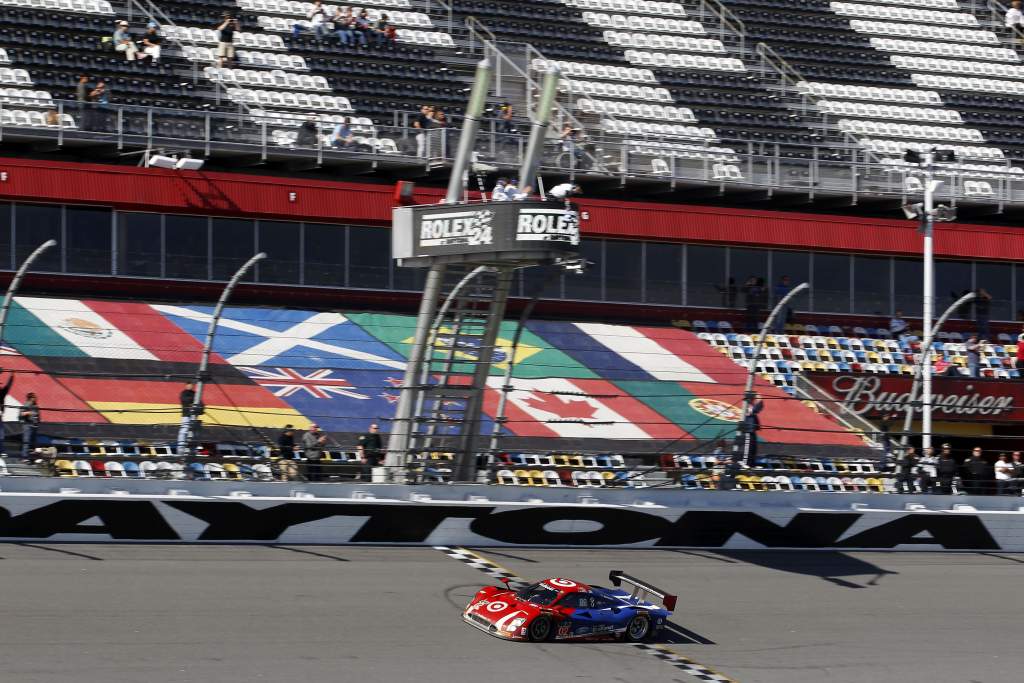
(12, 288)
(746, 427)
(923, 371)
(211, 331)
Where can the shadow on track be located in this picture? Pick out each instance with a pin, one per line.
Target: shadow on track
(63, 551)
(307, 552)
(834, 567)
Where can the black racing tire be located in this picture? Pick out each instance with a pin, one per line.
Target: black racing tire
(638, 629)
(540, 629)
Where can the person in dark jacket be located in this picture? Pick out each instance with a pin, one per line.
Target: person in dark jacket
(907, 471)
(286, 442)
(314, 442)
(977, 479)
(371, 450)
(946, 470)
(29, 416)
(752, 427)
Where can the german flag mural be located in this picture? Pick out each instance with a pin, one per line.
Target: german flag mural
(123, 364)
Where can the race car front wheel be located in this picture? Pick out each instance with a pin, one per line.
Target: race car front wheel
(540, 629)
(638, 629)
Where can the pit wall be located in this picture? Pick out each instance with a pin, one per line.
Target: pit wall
(482, 516)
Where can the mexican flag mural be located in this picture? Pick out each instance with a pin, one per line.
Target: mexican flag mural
(121, 365)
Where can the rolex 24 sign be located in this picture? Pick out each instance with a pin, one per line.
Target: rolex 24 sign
(488, 232)
(458, 227)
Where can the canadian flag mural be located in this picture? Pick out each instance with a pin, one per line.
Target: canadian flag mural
(577, 408)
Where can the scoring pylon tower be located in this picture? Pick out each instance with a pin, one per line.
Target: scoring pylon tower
(472, 251)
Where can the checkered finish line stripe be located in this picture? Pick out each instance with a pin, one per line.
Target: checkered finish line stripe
(685, 664)
(482, 564)
(494, 570)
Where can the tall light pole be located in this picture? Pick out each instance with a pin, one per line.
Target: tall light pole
(926, 361)
(204, 361)
(928, 213)
(12, 288)
(746, 425)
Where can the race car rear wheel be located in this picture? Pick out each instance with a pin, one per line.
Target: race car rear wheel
(540, 629)
(638, 629)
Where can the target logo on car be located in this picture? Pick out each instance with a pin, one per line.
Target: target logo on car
(562, 583)
(497, 606)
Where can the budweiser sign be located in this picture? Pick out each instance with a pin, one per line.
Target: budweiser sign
(952, 399)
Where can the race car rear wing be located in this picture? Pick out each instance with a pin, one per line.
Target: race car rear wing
(642, 589)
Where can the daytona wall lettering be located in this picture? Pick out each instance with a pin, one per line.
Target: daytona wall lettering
(235, 522)
(863, 395)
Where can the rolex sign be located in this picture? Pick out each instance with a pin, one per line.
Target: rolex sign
(513, 231)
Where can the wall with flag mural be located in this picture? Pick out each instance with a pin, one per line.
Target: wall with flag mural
(117, 368)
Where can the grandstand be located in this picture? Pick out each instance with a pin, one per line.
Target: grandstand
(719, 142)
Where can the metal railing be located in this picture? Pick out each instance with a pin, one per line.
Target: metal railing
(836, 168)
(725, 21)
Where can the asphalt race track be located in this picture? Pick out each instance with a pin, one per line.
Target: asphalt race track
(155, 614)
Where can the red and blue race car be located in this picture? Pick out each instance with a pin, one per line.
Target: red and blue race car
(563, 609)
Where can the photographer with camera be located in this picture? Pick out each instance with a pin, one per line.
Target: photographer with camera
(226, 40)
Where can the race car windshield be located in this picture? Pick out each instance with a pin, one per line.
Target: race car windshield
(538, 594)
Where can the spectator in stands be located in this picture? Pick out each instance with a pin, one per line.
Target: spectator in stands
(422, 123)
(344, 24)
(3, 401)
(99, 97)
(186, 398)
(313, 443)
(752, 427)
(982, 311)
(754, 293)
(308, 132)
(317, 18)
(571, 144)
(1004, 475)
(29, 417)
(906, 471)
(286, 442)
(1015, 20)
(976, 474)
(371, 450)
(1017, 475)
(782, 288)
(972, 349)
(226, 40)
(363, 27)
(505, 118)
(498, 195)
(946, 470)
(383, 32)
(123, 41)
(52, 117)
(563, 192)
(343, 137)
(151, 44)
(898, 326)
(927, 470)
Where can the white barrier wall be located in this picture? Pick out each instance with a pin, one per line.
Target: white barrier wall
(203, 512)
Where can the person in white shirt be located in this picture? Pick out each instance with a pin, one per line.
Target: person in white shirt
(1015, 20)
(897, 325)
(1004, 475)
(563, 191)
(498, 193)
